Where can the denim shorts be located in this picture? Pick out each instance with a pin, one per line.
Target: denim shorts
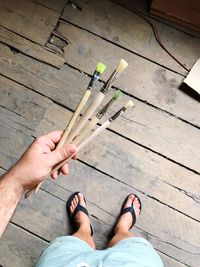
(69, 251)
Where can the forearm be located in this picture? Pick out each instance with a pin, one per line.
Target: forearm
(10, 194)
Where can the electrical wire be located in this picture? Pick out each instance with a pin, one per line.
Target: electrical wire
(156, 34)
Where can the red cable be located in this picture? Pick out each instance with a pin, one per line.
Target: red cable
(156, 34)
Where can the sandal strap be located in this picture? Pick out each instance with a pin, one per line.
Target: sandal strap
(132, 211)
(77, 209)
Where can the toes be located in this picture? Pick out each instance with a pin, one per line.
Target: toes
(132, 199)
(73, 204)
(76, 200)
(136, 204)
(71, 209)
(81, 199)
(129, 201)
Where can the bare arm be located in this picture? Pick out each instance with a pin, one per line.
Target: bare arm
(32, 168)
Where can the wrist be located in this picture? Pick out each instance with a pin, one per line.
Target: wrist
(11, 181)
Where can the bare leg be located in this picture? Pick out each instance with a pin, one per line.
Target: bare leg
(82, 221)
(125, 221)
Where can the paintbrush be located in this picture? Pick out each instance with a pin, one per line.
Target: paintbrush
(91, 124)
(91, 109)
(98, 131)
(100, 68)
(97, 101)
(128, 105)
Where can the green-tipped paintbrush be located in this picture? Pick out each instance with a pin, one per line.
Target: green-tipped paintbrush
(128, 105)
(100, 68)
(97, 101)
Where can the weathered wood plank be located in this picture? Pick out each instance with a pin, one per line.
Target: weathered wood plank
(144, 6)
(38, 76)
(13, 143)
(125, 28)
(144, 124)
(22, 107)
(56, 224)
(103, 200)
(19, 248)
(159, 177)
(23, 248)
(167, 261)
(168, 233)
(50, 121)
(56, 6)
(142, 78)
(28, 18)
(146, 172)
(31, 49)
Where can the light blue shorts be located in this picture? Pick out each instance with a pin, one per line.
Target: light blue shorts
(69, 251)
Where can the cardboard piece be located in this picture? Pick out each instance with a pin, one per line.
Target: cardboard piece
(193, 78)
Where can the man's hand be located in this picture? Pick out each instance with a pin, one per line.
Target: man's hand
(39, 159)
(32, 168)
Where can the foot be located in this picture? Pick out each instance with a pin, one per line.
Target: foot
(81, 219)
(125, 221)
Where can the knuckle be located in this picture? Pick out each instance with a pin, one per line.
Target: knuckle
(39, 140)
(63, 152)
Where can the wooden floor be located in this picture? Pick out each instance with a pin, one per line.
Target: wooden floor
(48, 51)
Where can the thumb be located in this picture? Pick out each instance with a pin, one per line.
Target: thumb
(61, 153)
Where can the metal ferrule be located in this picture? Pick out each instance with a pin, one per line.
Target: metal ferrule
(107, 84)
(94, 79)
(117, 114)
(102, 111)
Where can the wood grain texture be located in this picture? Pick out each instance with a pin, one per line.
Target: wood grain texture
(56, 6)
(56, 224)
(161, 178)
(149, 173)
(28, 19)
(144, 7)
(145, 125)
(31, 49)
(12, 144)
(130, 157)
(109, 201)
(19, 247)
(143, 79)
(130, 31)
(26, 106)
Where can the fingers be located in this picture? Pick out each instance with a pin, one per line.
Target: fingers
(61, 153)
(50, 139)
(64, 170)
(55, 174)
(75, 156)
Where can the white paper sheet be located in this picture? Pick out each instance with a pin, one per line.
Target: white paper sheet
(193, 78)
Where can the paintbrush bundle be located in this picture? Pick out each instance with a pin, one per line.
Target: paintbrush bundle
(81, 130)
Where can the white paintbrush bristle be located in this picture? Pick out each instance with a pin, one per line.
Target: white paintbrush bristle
(129, 104)
(122, 66)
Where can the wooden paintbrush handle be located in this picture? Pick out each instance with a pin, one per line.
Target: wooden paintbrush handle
(85, 131)
(79, 148)
(87, 114)
(82, 145)
(74, 117)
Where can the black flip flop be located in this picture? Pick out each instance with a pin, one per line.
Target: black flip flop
(77, 209)
(125, 210)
